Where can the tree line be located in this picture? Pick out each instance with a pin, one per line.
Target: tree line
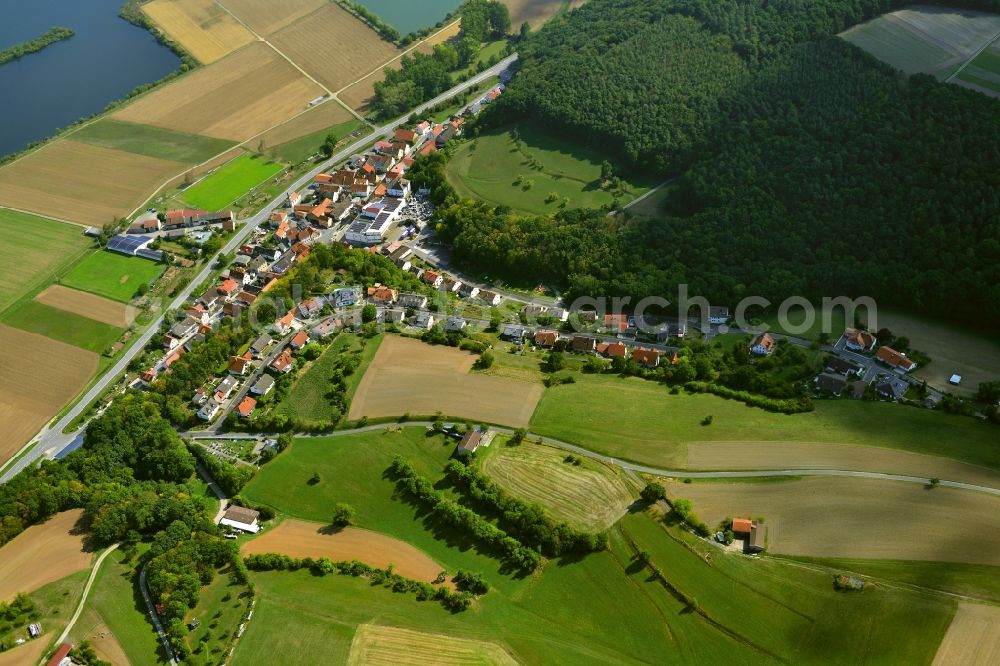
(50, 36)
(779, 134)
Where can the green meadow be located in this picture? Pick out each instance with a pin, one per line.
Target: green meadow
(230, 181)
(112, 275)
(297, 150)
(639, 420)
(530, 170)
(151, 141)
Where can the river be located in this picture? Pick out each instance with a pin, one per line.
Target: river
(103, 61)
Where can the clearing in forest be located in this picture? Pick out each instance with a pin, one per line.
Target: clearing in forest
(409, 376)
(43, 554)
(858, 518)
(589, 496)
(973, 638)
(202, 27)
(375, 645)
(297, 538)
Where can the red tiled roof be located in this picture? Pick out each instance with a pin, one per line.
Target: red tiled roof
(742, 525)
(246, 407)
(894, 358)
(546, 338)
(617, 349)
(646, 356)
(300, 339)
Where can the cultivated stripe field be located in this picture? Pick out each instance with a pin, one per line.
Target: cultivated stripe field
(202, 27)
(43, 554)
(375, 645)
(973, 639)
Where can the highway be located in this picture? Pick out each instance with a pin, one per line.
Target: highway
(51, 440)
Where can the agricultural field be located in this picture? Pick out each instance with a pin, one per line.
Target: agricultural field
(375, 645)
(34, 386)
(859, 518)
(334, 47)
(151, 141)
(43, 554)
(591, 411)
(530, 170)
(305, 146)
(97, 184)
(34, 252)
(112, 275)
(68, 327)
(202, 27)
(983, 73)
(235, 98)
(973, 638)
(298, 538)
(266, 16)
(537, 12)
(925, 39)
(231, 181)
(115, 619)
(445, 384)
(816, 455)
(113, 313)
(54, 604)
(590, 496)
(953, 350)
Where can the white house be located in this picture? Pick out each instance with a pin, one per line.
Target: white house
(209, 409)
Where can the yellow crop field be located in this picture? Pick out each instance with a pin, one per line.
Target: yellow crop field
(973, 638)
(375, 645)
(203, 28)
(234, 98)
(88, 305)
(81, 182)
(590, 496)
(268, 16)
(334, 47)
(38, 376)
(859, 518)
(43, 554)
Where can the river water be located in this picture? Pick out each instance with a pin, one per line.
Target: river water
(50, 89)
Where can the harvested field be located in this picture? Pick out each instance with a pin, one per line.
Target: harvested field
(590, 496)
(96, 183)
(29, 653)
(334, 47)
(34, 386)
(859, 518)
(298, 538)
(151, 141)
(43, 554)
(953, 350)
(535, 12)
(815, 455)
(205, 29)
(267, 16)
(234, 98)
(358, 95)
(88, 305)
(973, 638)
(107, 646)
(408, 376)
(319, 118)
(375, 645)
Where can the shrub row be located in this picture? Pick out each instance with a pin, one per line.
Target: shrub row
(788, 406)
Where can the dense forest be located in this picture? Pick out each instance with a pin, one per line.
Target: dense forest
(803, 165)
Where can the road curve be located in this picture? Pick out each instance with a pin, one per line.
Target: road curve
(86, 591)
(630, 466)
(51, 441)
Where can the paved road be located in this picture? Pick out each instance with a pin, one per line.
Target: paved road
(86, 591)
(50, 441)
(630, 466)
(154, 617)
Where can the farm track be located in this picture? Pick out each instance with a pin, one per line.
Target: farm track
(630, 466)
(86, 593)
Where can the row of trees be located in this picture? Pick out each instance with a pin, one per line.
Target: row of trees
(781, 134)
(50, 36)
(230, 477)
(525, 521)
(463, 519)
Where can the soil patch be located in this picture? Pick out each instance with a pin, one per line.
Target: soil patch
(43, 554)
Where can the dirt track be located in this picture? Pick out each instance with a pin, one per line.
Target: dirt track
(973, 639)
(859, 518)
(408, 376)
(802, 455)
(87, 305)
(302, 539)
(43, 554)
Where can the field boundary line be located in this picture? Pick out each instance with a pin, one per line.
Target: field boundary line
(43, 215)
(86, 592)
(975, 55)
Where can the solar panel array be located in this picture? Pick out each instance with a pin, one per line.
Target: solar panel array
(127, 244)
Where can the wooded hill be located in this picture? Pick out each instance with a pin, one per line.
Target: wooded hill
(804, 165)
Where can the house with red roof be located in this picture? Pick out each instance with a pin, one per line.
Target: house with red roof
(432, 278)
(546, 339)
(300, 340)
(616, 323)
(284, 362)
(381, 294)
(859, 340)
(616, 350)
(246, 407)
(762, 345)
(647, 357)
(238, 365)
(894, 359)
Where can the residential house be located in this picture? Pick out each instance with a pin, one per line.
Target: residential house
(294, 198)
(447, 134)
(300, 340)
(284, 324)
(513, 333)
(762, 345)
(200, 396)
(225, 388)
(423, 321)
(198, 313)
(238, 365)
(310, 307)
(582, 343)
(246, 407)
(891, 388)
(841, 366)
(859, 340)
(228, 289)
(326, 328)
(418, 301)
(470, 442)
(406, 136)
(432, 278)
(546, 338)
(649, 358)
(241, 519)
(260, 344)
(832, 384)
(616, 324)
(616, 350)
(381, 294)
(491, 298)
(455, 325)
(394, 315)
(147, 225)
(345, 296)
(894, 359)
(263, 385)
(718, 314)
(397, 187)
(451, 285)
(209, 410)
(284, 362)
(469, 291)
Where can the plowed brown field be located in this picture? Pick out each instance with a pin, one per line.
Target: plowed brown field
(298, 538)
(408, 376)
(43, 554)
(233, 98)
(38, 376)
